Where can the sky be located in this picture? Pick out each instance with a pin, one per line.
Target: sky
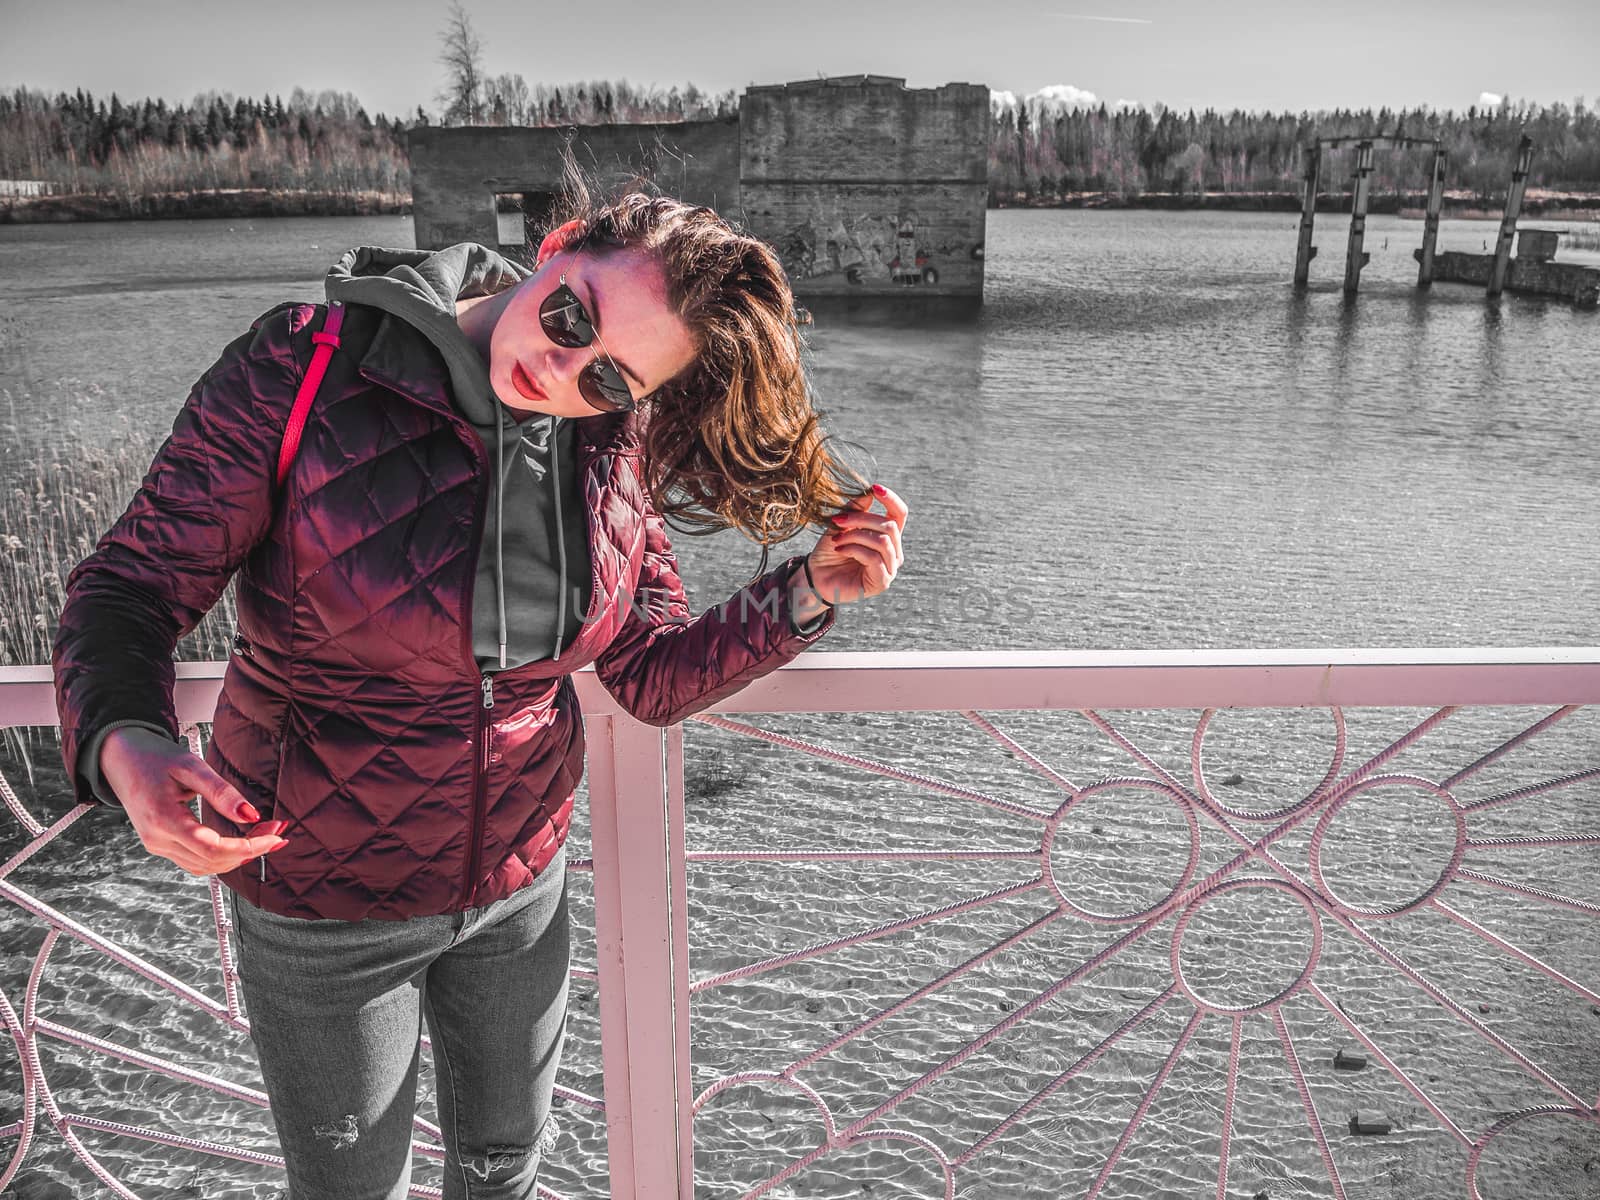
(1253, 54)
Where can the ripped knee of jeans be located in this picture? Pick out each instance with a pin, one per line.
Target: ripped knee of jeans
(548, 1133)
(342, 1133)
(498, 1162)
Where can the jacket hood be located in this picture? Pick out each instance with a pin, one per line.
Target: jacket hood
(421, 287)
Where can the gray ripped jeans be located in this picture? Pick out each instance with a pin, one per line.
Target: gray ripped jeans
(335, 1011)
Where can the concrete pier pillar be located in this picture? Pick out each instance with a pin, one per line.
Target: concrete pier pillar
(1356, 258)
(1430, 228)
(1308, 218)
(1508, 223)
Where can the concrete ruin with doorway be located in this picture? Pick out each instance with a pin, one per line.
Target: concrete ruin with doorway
(862, 185)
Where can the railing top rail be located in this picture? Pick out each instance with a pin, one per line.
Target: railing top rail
(1312, 656)
(1289, 678)
(935, 681)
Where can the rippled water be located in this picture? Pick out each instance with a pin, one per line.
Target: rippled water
(1146, 439)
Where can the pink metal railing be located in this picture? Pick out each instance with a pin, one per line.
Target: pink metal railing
(24, 700)
(642, 903)
(1247, 680)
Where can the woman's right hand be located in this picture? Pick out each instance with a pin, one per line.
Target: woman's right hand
(156, 780)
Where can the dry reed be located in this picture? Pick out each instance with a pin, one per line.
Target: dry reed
(54, 505)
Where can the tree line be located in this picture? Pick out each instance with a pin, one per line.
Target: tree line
(322, 142)
(318, 142)
(509, 101)
(325, 142)
(1042, 156)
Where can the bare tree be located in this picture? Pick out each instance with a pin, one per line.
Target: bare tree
(462, 55)
(507, 100)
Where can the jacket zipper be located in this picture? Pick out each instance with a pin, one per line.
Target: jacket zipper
(480, 753)
(243, 648)
(481, 739)
(480, 787)
(283, 748)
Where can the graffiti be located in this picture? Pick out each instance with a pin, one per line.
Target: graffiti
(910, 266)
(867, 248)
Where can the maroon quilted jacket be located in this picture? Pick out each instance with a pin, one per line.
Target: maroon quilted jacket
(353, 706)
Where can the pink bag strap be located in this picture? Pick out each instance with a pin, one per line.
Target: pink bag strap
(326, 341)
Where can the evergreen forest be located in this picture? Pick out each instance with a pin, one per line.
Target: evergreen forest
(1040, 157)
(325, 143)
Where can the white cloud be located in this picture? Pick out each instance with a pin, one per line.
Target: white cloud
(1000, 101)
(1127, 105)
(1116, 20)
(1490, 100)
(1060, 96)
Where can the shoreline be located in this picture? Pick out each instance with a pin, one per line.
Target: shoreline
(1538, 203)
(219, 203)
(247, 203)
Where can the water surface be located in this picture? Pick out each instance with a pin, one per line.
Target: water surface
(1145, 439)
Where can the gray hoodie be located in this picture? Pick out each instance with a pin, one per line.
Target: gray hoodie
(534, 575)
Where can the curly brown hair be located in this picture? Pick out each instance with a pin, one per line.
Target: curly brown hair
(734, 441)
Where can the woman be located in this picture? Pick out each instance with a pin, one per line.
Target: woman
(389, 782)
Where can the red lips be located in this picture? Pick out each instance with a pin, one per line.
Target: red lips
(526, 387)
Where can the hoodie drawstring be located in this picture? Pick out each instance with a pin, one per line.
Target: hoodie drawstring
(499, 525)
(561, 537)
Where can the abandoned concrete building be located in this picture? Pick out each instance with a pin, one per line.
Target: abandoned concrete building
(861, 184)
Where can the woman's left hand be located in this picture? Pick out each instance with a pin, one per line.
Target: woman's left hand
(859, 556)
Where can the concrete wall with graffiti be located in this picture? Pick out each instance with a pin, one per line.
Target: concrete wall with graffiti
(865, 185)
(851, 238)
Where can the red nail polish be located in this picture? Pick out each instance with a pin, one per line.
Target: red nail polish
(878, 489)
(248, 812)
(278, 845)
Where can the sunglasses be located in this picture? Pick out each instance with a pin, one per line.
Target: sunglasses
(567, 323)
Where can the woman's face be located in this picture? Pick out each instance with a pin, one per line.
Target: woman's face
(624, 294)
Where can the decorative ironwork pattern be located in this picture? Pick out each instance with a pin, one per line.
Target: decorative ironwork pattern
(1313, 902)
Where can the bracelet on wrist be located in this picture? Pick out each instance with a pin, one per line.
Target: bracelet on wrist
(805, 565)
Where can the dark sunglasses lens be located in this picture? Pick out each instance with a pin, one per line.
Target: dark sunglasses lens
(563, 319)
(603, 388)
